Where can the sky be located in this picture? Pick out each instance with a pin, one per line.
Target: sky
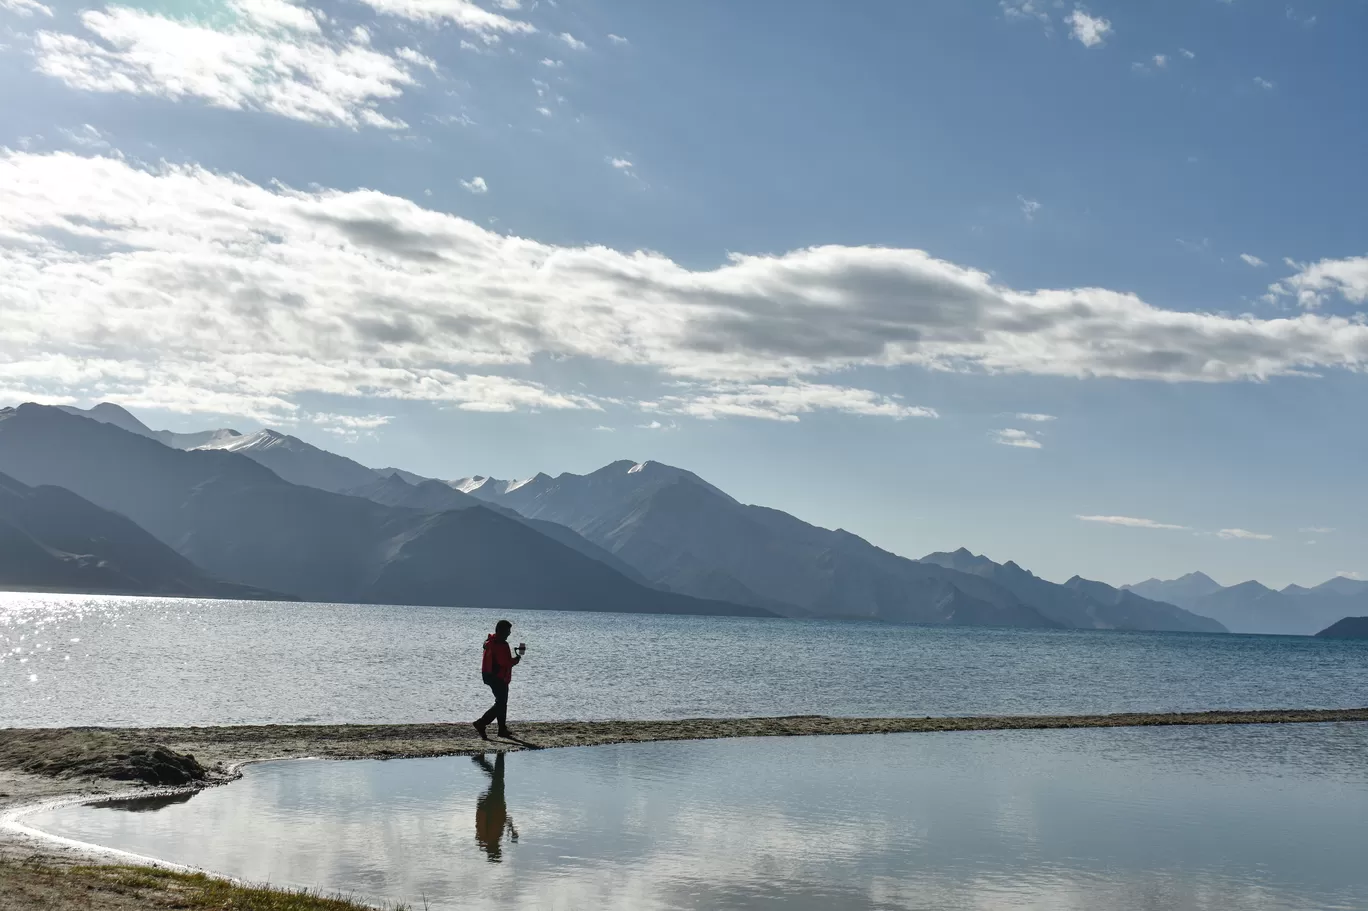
(1080, 286)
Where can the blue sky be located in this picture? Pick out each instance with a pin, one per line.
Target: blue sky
(941, 274)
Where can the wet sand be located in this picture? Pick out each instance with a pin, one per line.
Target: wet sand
(43, 764)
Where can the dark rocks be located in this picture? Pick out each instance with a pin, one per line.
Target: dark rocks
(94, 753)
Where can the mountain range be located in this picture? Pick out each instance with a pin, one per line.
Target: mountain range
(273, 512)
(239, 520)
(681, 532)
(1251, 607)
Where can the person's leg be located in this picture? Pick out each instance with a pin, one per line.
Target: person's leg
(501, 707)
(497, 709)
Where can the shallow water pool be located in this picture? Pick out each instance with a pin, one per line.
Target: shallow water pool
(1259, 817)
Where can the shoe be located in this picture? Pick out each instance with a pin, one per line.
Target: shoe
(505, 732)
(480, 729)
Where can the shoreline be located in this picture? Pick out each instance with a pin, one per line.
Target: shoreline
(46, 767)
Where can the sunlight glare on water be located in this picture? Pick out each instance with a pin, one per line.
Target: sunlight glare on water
(142, 661)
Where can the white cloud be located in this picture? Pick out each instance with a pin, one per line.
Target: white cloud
(1314, 283)
(623, 165)
(1012, 437)
(177, 287)
(1241, 534)
(604, 428)
(508, 4)
(1187, 53)
(409, 55)
(617, 39)
(572, 41)
(657, 425)
(553, 64)
(278, 14)
(544, 111)
(1025, 9)
(1263, 83)
(26, 8)
(461, 13)
(1131, 522)
(787, 402)
(86, 137)
(1091, 31)
(1160, 61)
(1348, 574)
(349, 426)
(1029, 207)
(1038, 418)
(1306, 21)
(476, 185)
(1316, 530)
(1252, 260)
(275, 60)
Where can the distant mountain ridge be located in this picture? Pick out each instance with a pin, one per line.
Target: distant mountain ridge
(53, 540)
(296, 461)
(685, 533)
(1079, 603)
(109, 413)
(242, 521)
(303, 463)
(436, 496)
(668, 529)
(1251, 607)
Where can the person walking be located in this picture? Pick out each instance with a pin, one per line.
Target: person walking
(497, 671)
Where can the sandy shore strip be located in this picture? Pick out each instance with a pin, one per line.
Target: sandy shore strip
(42, 765)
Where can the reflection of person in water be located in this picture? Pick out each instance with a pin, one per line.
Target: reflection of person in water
(491, 812)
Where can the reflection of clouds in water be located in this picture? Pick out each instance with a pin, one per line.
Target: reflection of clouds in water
(1061, 819)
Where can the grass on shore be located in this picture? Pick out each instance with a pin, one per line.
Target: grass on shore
(31, 886)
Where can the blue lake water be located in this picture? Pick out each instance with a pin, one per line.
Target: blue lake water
(1249, 818)
(75, 660)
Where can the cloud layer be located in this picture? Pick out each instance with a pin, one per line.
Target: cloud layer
(1133, 522)
(273, 57)
(191, 289)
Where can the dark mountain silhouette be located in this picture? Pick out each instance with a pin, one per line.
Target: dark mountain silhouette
(682, 532)
(1348, 628)
(52, 540)
(1254, 608)
(436, 496)
(241, 521)
(109, 413)
(1078, 603)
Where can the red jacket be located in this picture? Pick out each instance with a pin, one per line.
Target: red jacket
(498, 659)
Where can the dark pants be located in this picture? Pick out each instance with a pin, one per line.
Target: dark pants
(499, 709)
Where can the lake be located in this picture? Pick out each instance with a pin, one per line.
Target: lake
(1256, 819)
(97, 660)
